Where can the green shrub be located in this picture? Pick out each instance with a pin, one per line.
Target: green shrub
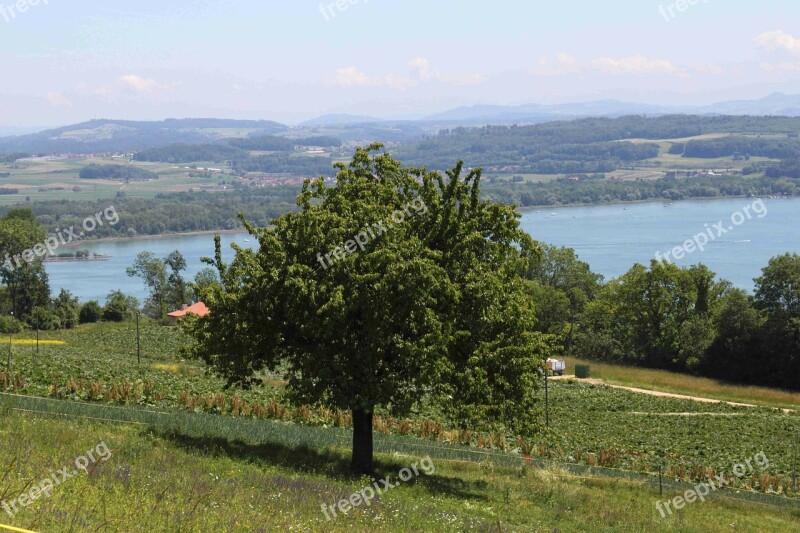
(90, 313)
(9, 324)
(44, 319)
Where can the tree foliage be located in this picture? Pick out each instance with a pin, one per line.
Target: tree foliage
(433, 307)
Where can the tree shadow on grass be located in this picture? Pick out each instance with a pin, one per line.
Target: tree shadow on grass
(327, 462)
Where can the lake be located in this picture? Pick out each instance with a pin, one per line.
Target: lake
(611, 238)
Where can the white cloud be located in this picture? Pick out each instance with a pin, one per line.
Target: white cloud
(58, 100)
(637, 65)
(714, 70)
(143, 85)
(564, 64)
(778, 41)
(420, 72)
(780, 67)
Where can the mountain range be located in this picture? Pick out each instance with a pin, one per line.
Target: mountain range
(102, 135)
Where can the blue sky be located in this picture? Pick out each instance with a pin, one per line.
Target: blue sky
(288, 60)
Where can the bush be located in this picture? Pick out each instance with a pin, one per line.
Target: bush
(45, 319)
(66, 308)
(119, 307)
(90, 313)
(9, 324)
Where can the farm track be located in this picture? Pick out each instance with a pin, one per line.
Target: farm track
(594, 381)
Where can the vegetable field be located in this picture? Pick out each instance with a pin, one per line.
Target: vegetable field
(591, 425)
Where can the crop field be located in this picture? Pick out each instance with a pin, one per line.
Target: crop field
(57, 179)
(589, 424)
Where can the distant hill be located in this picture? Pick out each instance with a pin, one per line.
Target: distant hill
(339, 120)
(128, 136)
(774, 104)
(542, 113)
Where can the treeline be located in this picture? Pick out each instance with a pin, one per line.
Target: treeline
(789, 168)
(190, 153)
(678, 319)
(116, 172)
(13, 157)
(173, 212)
(284, 163)
(504, 148)
(560, 147)
(739, 146)
(274, 143)
(238, 153)
(683, 319)
(593, 191)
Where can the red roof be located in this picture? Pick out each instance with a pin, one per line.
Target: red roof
(198, 309)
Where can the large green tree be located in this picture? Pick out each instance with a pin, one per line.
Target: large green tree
(21, 269)
(395, 286)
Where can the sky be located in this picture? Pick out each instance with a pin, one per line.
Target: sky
(67, 61)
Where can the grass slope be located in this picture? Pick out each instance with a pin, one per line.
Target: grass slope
(153, 482)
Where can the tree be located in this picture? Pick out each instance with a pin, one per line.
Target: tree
(163, 279)
(30, 288)
(21, 269)
(658, 317)
(153, 272)
(203, 281)
(44, 319)
(90, 313)
(394, 287)
(178, 293)
(561, 270)
(736, 353)
(778, 288)
(66, 308)
(119, 307)
(778, 295)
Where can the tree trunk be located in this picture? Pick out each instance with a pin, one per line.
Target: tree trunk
(362, 442)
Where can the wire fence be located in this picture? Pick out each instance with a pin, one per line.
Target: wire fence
(261, 432)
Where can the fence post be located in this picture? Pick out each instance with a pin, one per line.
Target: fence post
(546, 399)
(794, 462)
(138, 342)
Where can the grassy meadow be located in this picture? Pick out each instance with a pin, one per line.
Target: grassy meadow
(158, 482)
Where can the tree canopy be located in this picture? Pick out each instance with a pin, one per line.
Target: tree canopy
(394, 286)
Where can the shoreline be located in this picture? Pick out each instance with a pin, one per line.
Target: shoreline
(79, 243)
(522, 210)
(701, 199)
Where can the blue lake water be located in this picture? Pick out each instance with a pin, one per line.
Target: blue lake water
(611, 238)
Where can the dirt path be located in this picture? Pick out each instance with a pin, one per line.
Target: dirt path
(595, 381)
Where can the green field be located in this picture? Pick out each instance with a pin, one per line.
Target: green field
(56, 179)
